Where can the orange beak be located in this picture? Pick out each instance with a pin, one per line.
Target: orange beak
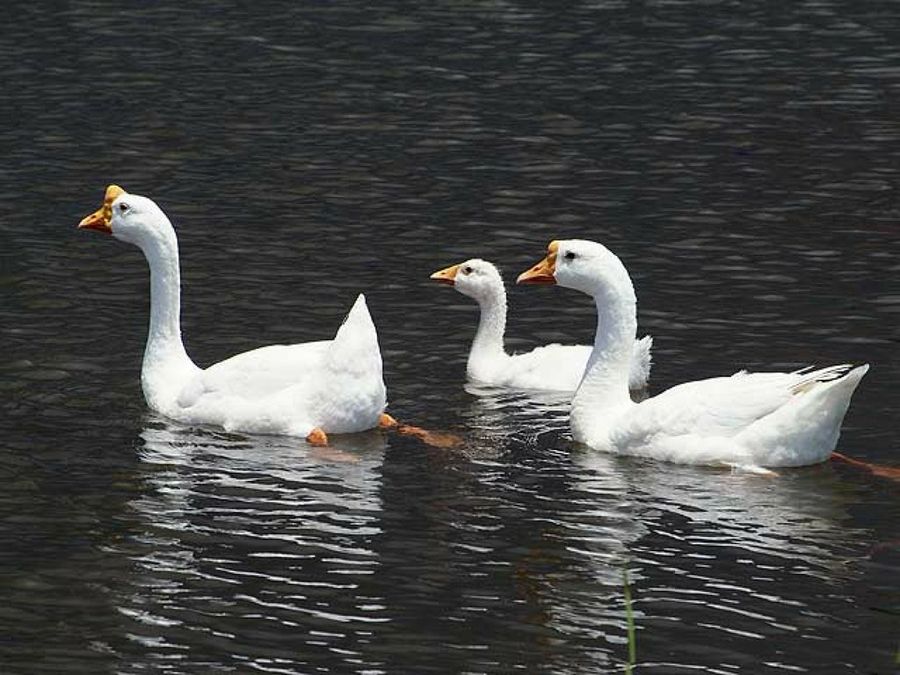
(543, 272)
(446, 276)
(100, 219)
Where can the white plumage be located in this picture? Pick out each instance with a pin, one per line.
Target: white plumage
(335, 386)
(748, 419)
(551, 367)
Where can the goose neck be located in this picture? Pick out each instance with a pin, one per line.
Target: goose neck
(488, 342)
(605, 382)
(164, 354)
(165, 291)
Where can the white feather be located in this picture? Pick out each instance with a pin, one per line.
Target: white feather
(335, 385)
(748, 419)
(552, 367)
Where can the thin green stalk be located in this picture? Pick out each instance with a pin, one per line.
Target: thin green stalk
(629, 618)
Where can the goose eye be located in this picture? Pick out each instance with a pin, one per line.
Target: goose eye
(569, 256)
(467, 269)
(123, 207)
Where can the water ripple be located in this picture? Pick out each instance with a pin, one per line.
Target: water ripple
(741, 159)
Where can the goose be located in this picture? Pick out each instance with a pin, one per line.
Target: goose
(552, 367)
(764, 419)
(308, 389)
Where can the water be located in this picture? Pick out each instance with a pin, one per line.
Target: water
(743, 161)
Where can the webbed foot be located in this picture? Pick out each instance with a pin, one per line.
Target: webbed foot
(892, 472)
(385, 421)
(437, 439)
(317, 437)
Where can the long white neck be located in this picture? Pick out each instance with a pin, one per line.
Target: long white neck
(605, 382)
(487, 347)
(166, 363)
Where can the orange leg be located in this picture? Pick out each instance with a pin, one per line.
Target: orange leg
(317, 437)
(436, 439)
(891, 472)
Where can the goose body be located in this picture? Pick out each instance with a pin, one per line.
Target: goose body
(748, 419)
(330, 386)
(551, 367)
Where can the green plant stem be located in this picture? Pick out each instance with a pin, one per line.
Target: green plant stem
(629, 618)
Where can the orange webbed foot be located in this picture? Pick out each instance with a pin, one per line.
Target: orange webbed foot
(317, 437)
(435, 439)
(385, 421)
(891, 472)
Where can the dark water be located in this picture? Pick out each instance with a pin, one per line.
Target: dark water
(742, 158)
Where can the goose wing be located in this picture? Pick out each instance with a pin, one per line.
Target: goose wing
(256, 373)
(721, 406)
(552, 366)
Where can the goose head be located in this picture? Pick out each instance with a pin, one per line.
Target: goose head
(583, 265)
(475, 278)
(132, 218)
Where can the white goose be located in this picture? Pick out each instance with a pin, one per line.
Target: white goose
(308, 389)
(748, 419)
(552, 367)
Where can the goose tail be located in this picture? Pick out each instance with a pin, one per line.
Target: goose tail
(813, 378)
(806, 429)
(355, 345)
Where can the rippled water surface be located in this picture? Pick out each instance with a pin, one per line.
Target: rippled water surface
(743, 160)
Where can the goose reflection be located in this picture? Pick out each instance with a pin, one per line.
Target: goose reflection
(539, 532)
(736, 556)
(245, 535)
(495, 548)
(800, 515)
(516, 544)
(495, 414)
